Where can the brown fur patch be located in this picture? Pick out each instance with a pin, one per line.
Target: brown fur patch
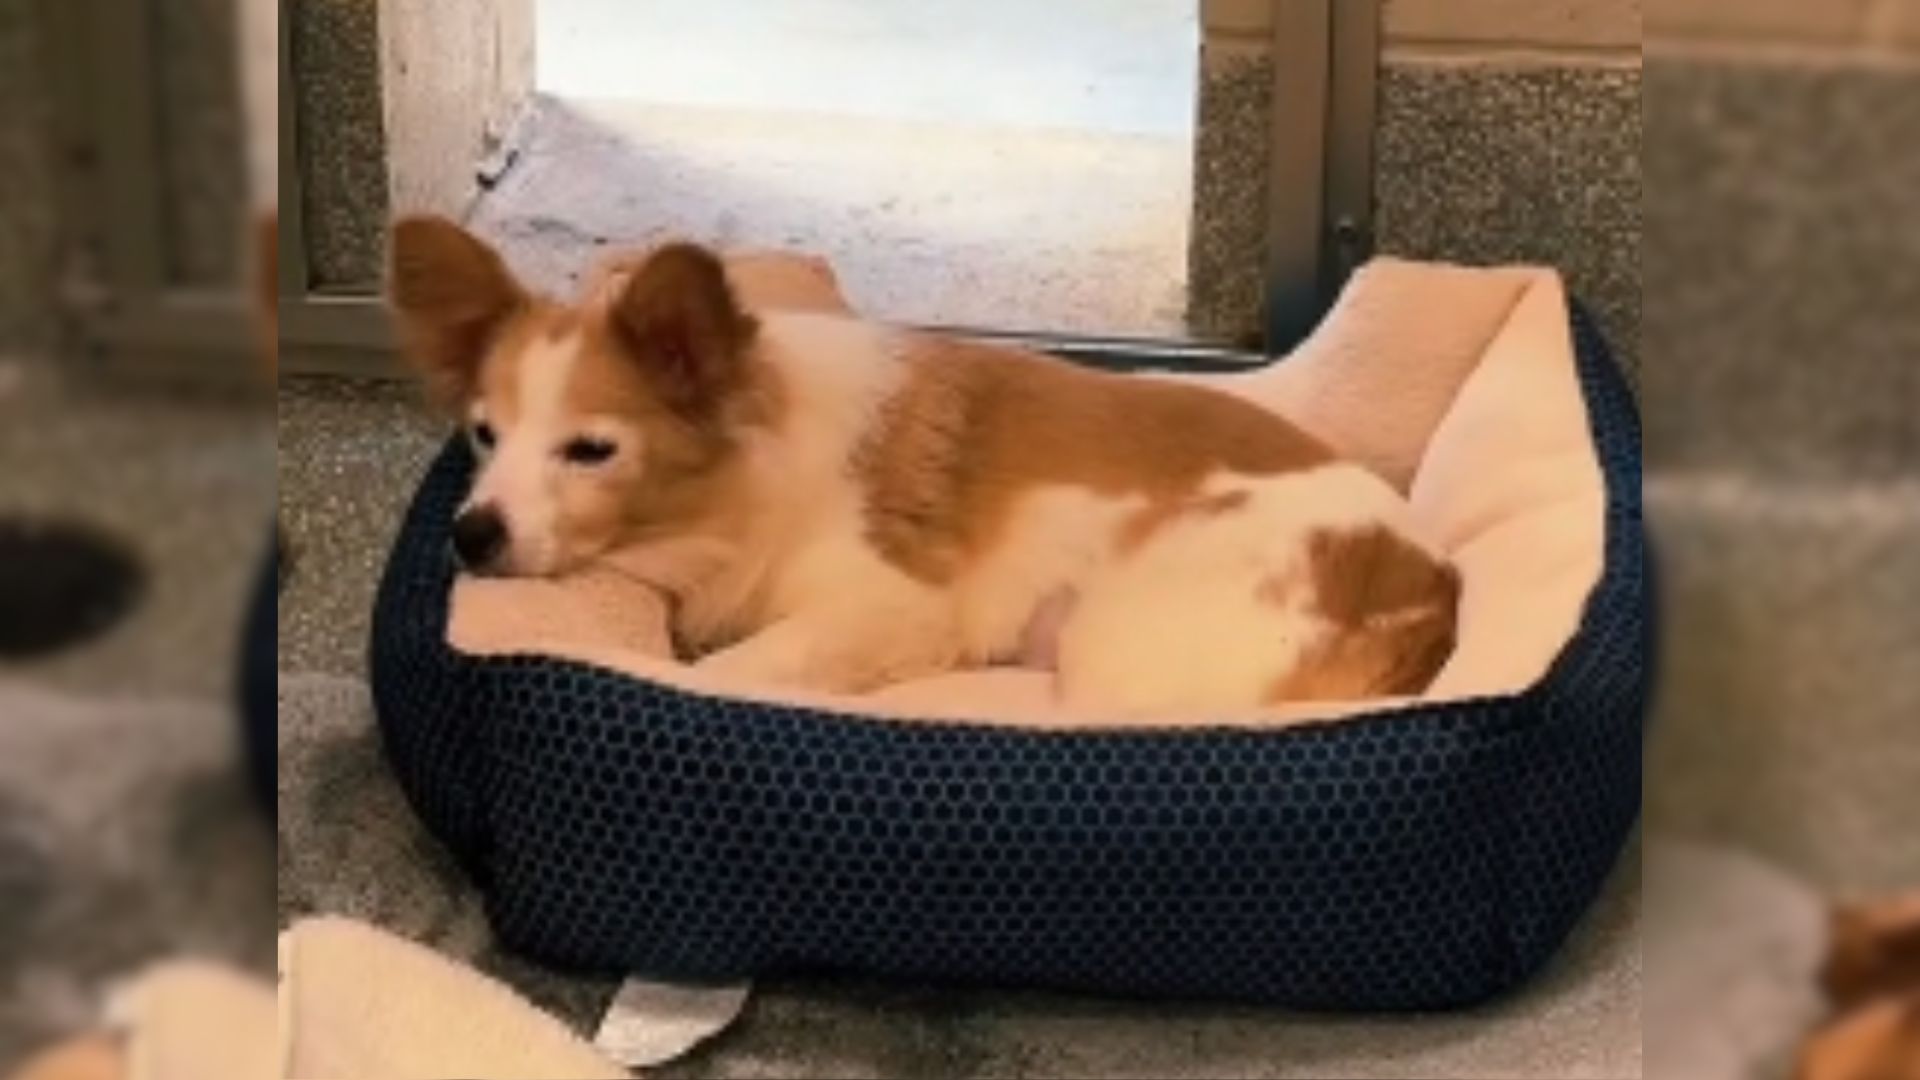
(1395, 610)
(453, 295)
(1366, 574)
(976, 427)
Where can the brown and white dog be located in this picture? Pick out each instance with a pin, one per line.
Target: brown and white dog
(838, 505)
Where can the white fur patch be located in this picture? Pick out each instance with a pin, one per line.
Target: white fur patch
(521, 479)
(1055, 538)
(1214, 609)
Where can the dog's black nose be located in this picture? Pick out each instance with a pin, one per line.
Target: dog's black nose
(479, 536)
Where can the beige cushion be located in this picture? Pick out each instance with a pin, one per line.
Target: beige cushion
(359, 1003)
(1511, 490)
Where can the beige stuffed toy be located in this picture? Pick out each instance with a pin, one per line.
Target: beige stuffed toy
(353, 1002)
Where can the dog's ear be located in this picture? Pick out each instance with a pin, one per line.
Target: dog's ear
(678, 317)
(452, 295)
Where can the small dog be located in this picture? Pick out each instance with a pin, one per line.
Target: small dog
(838, 505)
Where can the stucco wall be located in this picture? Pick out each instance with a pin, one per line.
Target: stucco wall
(202, 129)
(27, 213)
(1782, 404)
(1783, 268)
(1509, 130)
(398, 100)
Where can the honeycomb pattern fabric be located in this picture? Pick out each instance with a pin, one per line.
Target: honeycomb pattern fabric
(1418, 858)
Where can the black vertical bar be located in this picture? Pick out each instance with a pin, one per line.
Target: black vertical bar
(1296, 177)
(1353, 113)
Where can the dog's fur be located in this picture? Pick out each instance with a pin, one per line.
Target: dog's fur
(1872, 979)
(841, 505)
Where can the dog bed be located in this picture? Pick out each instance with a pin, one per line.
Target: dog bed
(258, 683)
(622, 815)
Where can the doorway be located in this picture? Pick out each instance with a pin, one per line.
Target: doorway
(1000, 163)
(1134, 182)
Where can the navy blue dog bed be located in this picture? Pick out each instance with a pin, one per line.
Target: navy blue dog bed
(1424, 857)
(259, 682)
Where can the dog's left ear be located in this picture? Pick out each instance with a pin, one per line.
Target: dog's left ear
(679, 319)
(452, 294)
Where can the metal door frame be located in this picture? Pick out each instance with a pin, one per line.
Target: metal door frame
(321, 333)
(1320, 158)
(129, 317)
(1319, 221)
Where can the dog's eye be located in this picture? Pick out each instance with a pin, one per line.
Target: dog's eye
(584, 451)
(483, 434)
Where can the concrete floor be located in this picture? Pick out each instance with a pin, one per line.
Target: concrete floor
(126, 832)
(189, 483)
(1123, 67)
(1054, 197)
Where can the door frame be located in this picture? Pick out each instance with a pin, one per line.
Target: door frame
(1318, 225)
(1320, 159)
(128, 317)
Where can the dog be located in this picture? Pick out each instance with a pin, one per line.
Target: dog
(838, 505)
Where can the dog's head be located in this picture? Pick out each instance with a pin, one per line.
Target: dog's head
(593, 423)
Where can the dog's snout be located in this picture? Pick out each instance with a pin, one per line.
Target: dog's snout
(479, 537)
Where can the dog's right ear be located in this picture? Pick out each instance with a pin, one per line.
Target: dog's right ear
(677, 316)
(452, 295)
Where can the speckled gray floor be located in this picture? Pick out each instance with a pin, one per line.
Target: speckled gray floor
(187, 483)
(126, 836)
(126, 833)
(350, 454)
